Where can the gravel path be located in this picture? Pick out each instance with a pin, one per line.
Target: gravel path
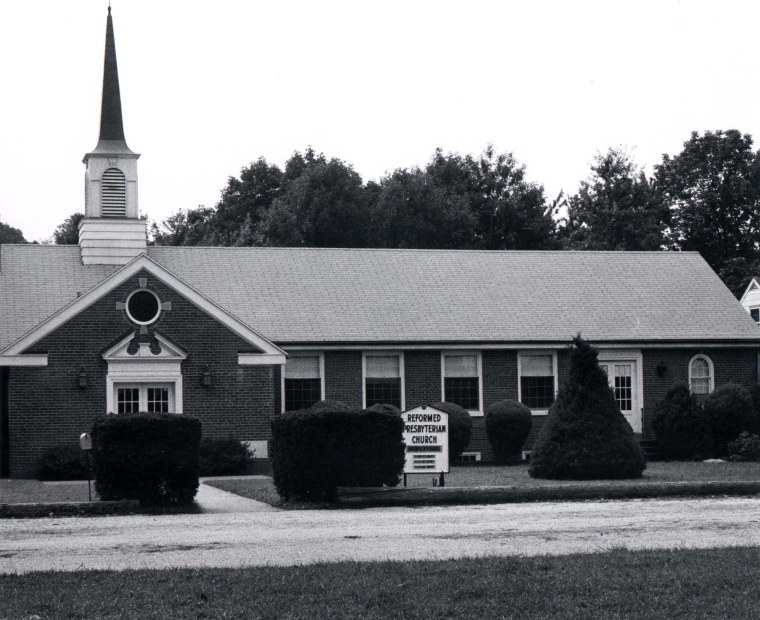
(273, 537)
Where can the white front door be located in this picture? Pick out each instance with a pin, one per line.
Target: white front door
(623, 378)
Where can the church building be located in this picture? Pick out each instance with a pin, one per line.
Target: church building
(236, 336)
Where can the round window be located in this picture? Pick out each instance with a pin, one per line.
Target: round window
(143, 307)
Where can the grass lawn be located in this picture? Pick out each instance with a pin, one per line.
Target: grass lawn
(713, 583)
(517, 477)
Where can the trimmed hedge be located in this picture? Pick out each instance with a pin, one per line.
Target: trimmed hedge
(681, 427)
(746, 447)
(729, 411)
(508, 425)
(585, 436)
(150, 457)
(224, 457)
(315, 452)
(62, 462)
(460, 428)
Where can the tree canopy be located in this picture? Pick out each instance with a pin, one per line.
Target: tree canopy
(8, 234)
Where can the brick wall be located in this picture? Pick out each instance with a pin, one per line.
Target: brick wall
(46, 406)
(343, 377)
(730, 366)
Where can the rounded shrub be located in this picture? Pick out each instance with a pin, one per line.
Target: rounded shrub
(460, 428)
(508, 425)
(746, 447)
(224, 457)
(585, 436)
(150, 457)
(329, 405)
(681, 427)
(729, 411)
(63, 462)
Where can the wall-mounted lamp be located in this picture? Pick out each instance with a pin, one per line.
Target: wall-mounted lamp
(662, 370)
(82, 378)
(206, 377)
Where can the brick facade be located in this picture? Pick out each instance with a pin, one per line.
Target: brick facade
(47, 407)
(44, 406)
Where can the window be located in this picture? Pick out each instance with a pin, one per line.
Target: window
(113, 193)
(461, 380)
(537, 380)
(143, 307)
(382, 380)
(755, 314)
(620, 377)
(303, 382)
(701, 379)
(155, 398)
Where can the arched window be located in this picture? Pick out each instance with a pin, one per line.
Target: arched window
(701, 375)
(113, 194)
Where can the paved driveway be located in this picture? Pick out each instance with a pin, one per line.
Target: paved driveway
(252, 537)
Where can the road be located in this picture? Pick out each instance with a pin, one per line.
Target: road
(299, 537)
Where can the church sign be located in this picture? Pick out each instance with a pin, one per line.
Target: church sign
(426, 435)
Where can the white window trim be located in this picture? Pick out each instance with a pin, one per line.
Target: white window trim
(617, 356)
(400, 355)
(143, 393)
(710, 367)
(475, 413)
(534, 352)
(292, 354)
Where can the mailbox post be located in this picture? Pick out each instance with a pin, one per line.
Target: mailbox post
(85, 443)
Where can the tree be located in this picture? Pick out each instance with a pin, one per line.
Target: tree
(616, 208)
(321, 204)
(8, 234)
(67, 233)
(411, 211)
(510, 212)
(585, 435)
(191, 227)
(712, 189)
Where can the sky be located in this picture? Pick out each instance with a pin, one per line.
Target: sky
(209, 87)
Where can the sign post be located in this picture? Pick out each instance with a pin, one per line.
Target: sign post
(85, 443)
(426, 436)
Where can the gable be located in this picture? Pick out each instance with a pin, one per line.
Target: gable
(111, 296)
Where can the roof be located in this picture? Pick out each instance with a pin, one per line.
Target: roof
(341, 296)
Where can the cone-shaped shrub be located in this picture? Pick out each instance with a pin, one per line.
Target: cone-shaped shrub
(460, 428)
(585, 435)
(681, 427)
(508, 425)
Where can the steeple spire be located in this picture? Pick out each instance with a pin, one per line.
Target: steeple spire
(111, 123)
(111, 139)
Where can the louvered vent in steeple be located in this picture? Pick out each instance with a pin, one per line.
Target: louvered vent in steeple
(113, 193)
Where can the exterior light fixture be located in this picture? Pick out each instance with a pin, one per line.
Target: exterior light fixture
(662, 370)
(82, 378)
(206, 376)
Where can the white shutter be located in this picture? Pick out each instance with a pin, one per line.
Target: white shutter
(460, 365)
(302, 367)
(536, 366)
(382, 367)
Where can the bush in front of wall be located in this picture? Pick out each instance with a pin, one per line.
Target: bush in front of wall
(460, 428)
(679, 423)
(62, 462)
(315, 452)
(508, 425)
(585, 436)
(746, 447)
(329, 405)
(150, 457)
(729, 411)
(224, 457)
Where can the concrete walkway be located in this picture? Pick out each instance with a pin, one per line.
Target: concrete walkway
(215, 501)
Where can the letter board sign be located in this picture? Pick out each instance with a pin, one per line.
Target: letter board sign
(426, 435)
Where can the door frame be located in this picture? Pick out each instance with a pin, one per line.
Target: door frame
(634, 357)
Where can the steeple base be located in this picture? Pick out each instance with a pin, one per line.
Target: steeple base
(111, 241)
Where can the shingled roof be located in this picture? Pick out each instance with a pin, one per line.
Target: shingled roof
(337, 296)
